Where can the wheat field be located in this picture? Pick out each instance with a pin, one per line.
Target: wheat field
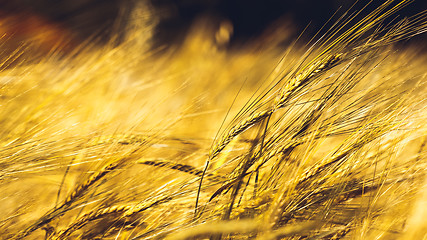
(321, 139)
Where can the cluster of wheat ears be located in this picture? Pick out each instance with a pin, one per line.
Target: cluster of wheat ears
(127, 142)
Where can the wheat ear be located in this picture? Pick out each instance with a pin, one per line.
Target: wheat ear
(182, 168)
(60, 210)
(125, 210)
(91, 216)
(123, 139)
(295, 83)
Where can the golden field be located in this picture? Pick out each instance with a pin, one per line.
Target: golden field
(316, 140)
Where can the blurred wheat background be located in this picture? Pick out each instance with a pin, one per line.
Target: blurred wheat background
(145, 125)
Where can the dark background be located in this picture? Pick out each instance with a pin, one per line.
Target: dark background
(88, 18)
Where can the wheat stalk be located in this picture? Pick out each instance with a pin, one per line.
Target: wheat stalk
(182, 168)
(290, 87)
(72, 197)
(125, 210)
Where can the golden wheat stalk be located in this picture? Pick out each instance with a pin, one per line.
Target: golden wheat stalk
(125, 211)
(93, 215)
(72, 197)
(296, 82)
(182, 168)
(123, 139)
(313, 177)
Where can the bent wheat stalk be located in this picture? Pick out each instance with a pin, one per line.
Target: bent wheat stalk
(72, 197)
(125, 210)
(295, 83)
(181, 167)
